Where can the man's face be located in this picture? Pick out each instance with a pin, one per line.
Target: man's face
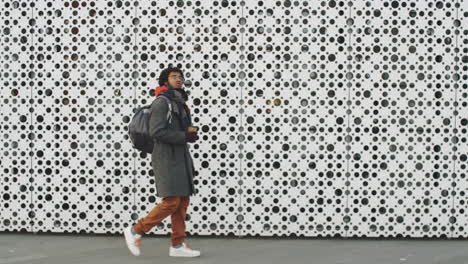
(175, 80)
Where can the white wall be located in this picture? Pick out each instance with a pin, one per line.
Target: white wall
(319, 118)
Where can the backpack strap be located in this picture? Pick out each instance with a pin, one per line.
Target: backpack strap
(169, 113)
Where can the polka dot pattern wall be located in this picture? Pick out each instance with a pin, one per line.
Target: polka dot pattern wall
(318, 118)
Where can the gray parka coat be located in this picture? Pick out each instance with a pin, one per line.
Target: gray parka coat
(171, 160)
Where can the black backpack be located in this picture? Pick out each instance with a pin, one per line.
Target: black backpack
(138, 128)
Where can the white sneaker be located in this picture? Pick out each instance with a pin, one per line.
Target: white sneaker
(133, 241)
(184, 251)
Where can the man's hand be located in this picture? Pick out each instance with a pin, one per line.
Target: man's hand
(191, 136)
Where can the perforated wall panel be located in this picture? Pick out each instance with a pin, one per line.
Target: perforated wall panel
(318, 118)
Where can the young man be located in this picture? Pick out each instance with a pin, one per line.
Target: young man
(172, 165)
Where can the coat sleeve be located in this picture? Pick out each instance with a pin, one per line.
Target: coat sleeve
(190, 117)
(158, 125)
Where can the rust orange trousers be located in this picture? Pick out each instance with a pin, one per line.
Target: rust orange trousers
(174, 206)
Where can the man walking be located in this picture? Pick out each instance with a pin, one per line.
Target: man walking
(172, 164)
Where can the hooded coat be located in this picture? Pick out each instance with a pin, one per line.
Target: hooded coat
(171, 160)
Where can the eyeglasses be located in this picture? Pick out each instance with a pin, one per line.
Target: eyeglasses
(175, 77)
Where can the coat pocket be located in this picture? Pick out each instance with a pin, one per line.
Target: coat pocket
(173, 155)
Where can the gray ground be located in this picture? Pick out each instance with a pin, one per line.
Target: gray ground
(101, 249)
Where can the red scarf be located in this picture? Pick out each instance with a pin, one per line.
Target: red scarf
(160, 89)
